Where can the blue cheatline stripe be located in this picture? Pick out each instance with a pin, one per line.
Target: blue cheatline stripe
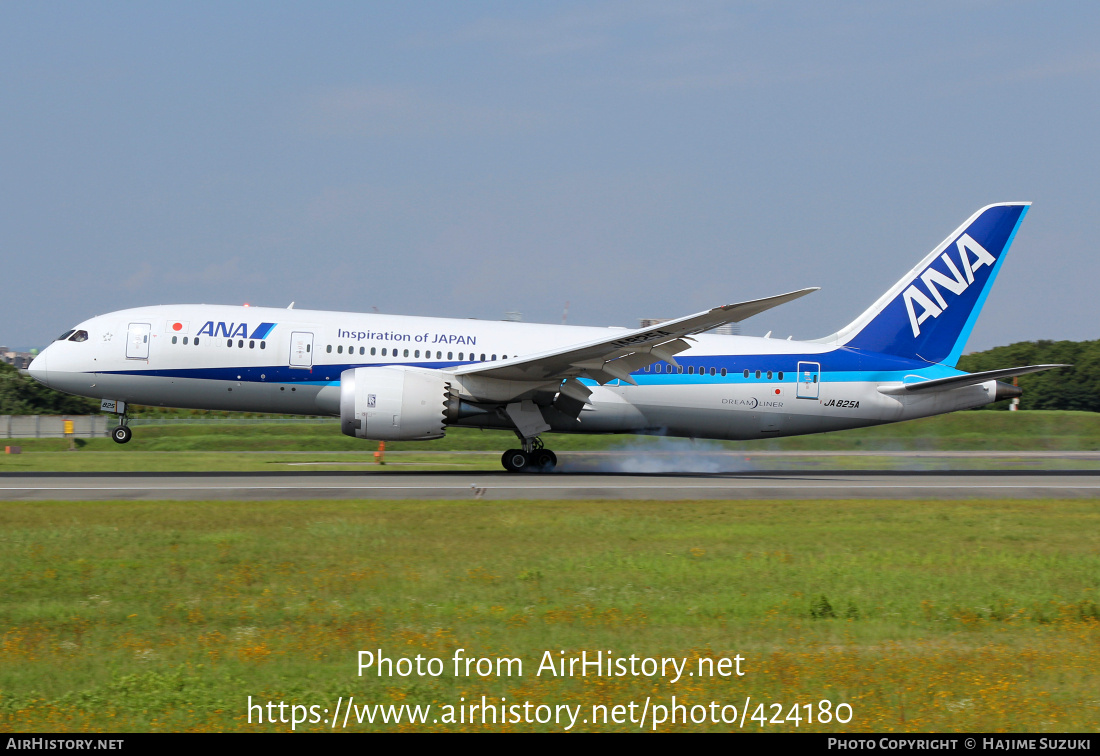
(840, 365)
(262, 330)
(839, 360)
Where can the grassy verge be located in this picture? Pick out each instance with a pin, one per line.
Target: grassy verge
(981, 431)
(228, 446)
(929, 615)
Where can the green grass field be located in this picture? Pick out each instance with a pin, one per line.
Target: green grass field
(921, 615)
(222, 446)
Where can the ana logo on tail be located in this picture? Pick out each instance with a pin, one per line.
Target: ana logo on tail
(956, 283)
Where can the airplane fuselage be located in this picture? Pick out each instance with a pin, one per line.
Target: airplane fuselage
(288, 361)
(393, 377)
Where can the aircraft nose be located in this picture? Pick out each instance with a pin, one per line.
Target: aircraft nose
(37, 369)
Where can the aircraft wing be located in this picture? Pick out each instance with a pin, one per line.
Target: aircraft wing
(969, 379)
(621, 352)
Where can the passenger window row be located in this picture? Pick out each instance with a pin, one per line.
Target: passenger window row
(760, 374)
(228, 342)
(415, 353)
(664, 367)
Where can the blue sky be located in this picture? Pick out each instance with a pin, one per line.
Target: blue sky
(635, 159)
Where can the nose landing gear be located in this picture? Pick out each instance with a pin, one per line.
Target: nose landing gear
(531, 458)
(121, 434)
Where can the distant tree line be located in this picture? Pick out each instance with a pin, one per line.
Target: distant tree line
(1072, 388)
(22, 395)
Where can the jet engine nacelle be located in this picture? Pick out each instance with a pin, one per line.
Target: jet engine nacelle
(392, 403)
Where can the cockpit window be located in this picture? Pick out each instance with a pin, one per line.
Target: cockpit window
(79, 336)
(65, 335)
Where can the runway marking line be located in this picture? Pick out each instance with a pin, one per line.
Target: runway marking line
(528, 487)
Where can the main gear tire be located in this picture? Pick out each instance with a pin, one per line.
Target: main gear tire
(515, 460)
(543, 460)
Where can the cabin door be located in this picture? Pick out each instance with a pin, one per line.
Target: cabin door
(809, 380)
(301, 349)
(137, 341)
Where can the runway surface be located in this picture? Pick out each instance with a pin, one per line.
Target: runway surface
(784, 484)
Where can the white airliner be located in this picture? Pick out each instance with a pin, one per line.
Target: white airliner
(390, 377)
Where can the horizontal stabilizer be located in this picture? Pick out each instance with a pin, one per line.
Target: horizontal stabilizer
(969, 379)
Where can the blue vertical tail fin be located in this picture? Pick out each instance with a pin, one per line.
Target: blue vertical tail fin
(931, 311)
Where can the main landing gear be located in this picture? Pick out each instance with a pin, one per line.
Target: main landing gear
(531, 458)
